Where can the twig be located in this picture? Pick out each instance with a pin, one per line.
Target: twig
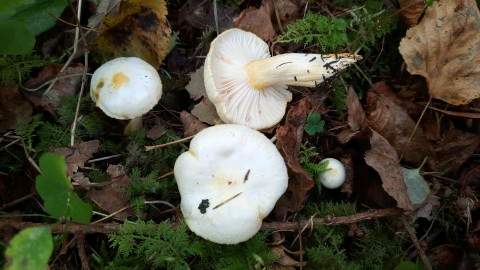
(273, 226)
(81, 252)
(79, 101)
(415, 128)
(413, 236)
(152, 147)
(75, 46)
(332, 220)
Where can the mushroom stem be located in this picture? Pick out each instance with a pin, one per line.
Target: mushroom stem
(298, 69)
(133, 125)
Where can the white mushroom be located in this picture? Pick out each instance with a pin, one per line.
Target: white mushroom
(126, 88)
(229, 181)
(249, 87)
(335, 176)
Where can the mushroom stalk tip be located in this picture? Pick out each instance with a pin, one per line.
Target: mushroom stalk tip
(297, 69)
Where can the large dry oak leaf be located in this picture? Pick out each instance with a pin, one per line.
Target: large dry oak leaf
(445, 48)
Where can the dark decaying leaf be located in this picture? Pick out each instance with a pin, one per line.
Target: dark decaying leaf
(139, 29)
(383, 158)
(110, 197)
(289, 140)
(395, 125)
(64, 87)
(14, 108)
(454, 149)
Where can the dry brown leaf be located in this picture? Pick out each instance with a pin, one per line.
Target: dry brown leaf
(111, 198)
(383, 158)
(191, 125)
(289, 140)
(444, 49)
(196, 85)
(205, 111)
(139, 29)
(14, 108)
(411, 10)
(394, 124)
(77, 155)
(258, 21)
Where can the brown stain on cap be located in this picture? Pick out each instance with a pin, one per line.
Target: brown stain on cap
(119, 80)
(97, 89)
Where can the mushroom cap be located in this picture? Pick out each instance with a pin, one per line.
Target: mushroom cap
(335, 176)
(229, 181)
(227, 85)
(126, 87)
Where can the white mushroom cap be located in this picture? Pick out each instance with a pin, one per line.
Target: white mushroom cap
(229, 181)
(249, 87)
(126, 87)
(226, 82)
(335, 176)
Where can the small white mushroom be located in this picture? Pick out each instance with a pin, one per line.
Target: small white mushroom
(126, 88)
(249, 87)
(335, 176)
(229, 181)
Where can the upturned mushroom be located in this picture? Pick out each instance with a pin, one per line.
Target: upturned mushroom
(229, 181)
(126, 88)
(249, 87)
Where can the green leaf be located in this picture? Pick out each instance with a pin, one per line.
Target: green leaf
(30, 249)
(20, 40)
(22, 20)
(10, 6)
(56, 190)
(314, 124)
(40, 16)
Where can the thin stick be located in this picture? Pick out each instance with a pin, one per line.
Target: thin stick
(416, 243)
(152, 147)
(75, 47)
(79, 101)
(272, 226)
(103, 158)
(415, 128)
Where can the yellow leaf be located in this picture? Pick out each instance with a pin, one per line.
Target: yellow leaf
(444, 48)
(139, 29)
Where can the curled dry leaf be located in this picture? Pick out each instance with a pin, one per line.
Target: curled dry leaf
(139, 29)
(289, 140)
(383, 158)
(394, 124)
(110, 197)
(356, 117)
(14, 108)
(444, 49)
(411, 10)
(284, 261)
